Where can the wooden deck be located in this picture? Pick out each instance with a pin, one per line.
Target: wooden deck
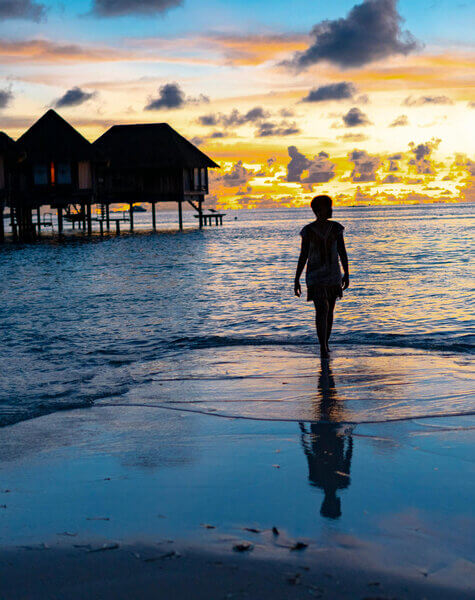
(207, 219)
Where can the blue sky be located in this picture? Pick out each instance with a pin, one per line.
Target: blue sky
(433, 21)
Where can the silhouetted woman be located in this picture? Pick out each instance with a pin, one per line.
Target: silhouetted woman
(322, 244)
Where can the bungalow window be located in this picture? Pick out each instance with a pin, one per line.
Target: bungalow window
(84, 175)
(40, 175)
(196, 179)
(203, 179)
(63, 173)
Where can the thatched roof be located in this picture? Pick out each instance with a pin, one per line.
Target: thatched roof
(6, 143)
(53, 138)
(154, 145)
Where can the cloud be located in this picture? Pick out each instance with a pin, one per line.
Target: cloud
(172, 96)
(74, 97)
(422, 153)
(371, 31)
(208, 120)
(393, 161)
(332, 91)
(422, 100)
(365, 166)
(237, 176)
(320, 169)
(269, 128)
(219, 134)
(252, 50)
(391, 179)
(46, 51)
(234, 118)
(286, 112)
(5, 97)
(118, 8)
(22, 9)
(353, 137)
(400, 121)
(355, 118)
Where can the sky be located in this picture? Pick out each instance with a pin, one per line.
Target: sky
(371, 102)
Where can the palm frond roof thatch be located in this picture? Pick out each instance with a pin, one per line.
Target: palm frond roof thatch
(155, 145)
(6, 143)
(53, 138)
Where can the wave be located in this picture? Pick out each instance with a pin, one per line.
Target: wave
(461, 344)
(112, 378)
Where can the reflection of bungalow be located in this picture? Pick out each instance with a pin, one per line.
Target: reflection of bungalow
(150, 163)
(7, 158)
(56, 167)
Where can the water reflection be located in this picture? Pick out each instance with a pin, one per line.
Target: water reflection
(328, 446)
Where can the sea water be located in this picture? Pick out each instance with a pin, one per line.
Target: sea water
(207, 320)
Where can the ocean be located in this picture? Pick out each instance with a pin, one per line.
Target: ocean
(207, 320)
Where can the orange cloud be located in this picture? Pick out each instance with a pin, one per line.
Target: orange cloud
(45, 51)
(220, 48)
(249, 50)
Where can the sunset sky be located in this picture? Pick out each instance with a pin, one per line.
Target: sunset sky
(370, 102)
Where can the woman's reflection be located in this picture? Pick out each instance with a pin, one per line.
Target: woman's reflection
(328, 446)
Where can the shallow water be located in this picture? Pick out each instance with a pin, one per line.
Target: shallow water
(100, 321)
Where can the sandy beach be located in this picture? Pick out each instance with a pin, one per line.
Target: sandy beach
(122, 502)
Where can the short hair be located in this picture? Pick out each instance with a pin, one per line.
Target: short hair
(321, 204)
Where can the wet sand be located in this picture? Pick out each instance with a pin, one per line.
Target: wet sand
(132, 502)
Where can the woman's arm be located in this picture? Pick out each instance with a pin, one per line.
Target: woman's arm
(344, 261)
(300, 266)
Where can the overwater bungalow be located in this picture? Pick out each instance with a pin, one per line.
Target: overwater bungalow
(150, 163)
(55, 169)
(54, 165)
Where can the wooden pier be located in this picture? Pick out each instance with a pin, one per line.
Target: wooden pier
(207, 218)
(53, 165)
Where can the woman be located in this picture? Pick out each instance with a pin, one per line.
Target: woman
(322, 244)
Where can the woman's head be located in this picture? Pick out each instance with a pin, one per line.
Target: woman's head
(322, 206)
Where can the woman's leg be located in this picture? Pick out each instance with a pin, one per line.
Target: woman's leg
(331, 308)
(321, 322)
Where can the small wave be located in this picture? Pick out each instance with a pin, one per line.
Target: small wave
(272, 418)
(433, 342)
(9, 415)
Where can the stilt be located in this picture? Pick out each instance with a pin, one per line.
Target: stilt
(83, 213)
(38, 218)
(200, 212)
(117, 227)
(108, 220)
(101, 226)
(60, 220)
(13, 223)
(131, 213)
(154, 217)
(180, 215)
(89, 219)
(2, 226)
